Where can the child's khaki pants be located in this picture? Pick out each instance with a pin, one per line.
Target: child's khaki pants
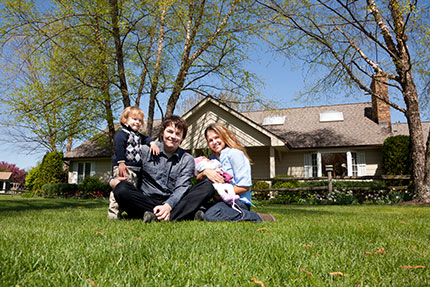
(114, 211)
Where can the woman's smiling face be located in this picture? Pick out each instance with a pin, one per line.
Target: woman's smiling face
(215, 142)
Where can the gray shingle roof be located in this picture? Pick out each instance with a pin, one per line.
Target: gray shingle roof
(98, 146)
(303, 129)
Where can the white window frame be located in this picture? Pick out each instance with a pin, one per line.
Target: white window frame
(76, 177)
(355, 161)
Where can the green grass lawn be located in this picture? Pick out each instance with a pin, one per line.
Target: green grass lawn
(70, 242)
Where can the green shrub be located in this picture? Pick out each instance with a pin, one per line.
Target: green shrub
(31, 178)
(396, 155)
(285, 184)
(59, 190)
(28, 194)
(285, 197)
(92, 187)
(49, 171)
(260, 195)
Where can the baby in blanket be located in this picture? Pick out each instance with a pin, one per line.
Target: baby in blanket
(225, 190)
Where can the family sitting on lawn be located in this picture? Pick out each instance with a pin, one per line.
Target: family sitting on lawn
(164, 171)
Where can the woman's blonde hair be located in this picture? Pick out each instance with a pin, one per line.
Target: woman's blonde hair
(227, 136)
(130, 111)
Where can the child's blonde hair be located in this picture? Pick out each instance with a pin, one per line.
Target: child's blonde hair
(130, 111)
(227, 136)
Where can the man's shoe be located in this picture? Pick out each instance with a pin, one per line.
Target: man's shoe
(149, 217)
(199, 215)
(266, 217)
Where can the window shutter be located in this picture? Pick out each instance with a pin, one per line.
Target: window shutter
(361, 163)
(308, 164)
(74, 173)
(349, 163)
(319, 164)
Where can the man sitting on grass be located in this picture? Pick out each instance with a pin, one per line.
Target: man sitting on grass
(163, 192)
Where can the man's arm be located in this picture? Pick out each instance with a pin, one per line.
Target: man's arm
(183, 182)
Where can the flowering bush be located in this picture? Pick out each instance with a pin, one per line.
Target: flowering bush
(93, 187)
(94, 194)
(18, 175)
(344, 192)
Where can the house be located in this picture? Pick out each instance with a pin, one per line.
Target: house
(299, 142)
(5, 178)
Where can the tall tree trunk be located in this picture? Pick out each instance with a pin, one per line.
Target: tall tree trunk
(177, 89)
(119, 52)
(104, 82)
(156, 76)
(109, 117)
(188, 60)
(145, 60)
(191, 30)
(418, 147)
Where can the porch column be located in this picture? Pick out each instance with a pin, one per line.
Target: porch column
(272, 162)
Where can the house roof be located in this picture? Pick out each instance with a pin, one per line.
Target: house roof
(211, 110)
(98, 146)
(5, 175)
(301, 129)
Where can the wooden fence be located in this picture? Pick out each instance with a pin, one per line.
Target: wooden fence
(330, 180)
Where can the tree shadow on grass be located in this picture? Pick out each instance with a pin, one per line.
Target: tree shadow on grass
(28, 204)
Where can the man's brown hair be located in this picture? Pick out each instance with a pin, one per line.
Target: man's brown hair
(177, 121)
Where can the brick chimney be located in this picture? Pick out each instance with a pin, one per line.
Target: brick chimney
(380, 109)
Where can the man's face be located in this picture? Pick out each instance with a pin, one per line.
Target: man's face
(172, 138)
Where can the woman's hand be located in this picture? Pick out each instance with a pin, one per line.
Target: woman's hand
(213, 175)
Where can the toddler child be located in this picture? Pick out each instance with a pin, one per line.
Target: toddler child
(128, 142)
(225, 190)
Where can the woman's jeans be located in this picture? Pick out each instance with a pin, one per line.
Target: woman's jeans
(221, 211)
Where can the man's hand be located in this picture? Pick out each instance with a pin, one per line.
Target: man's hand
(114, 181)
(162, 212)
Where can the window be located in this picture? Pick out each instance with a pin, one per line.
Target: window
(331, 116)
(354, 164)
(337, 160)
(82, 170)
(275, 120)
(314, 165)
(344, 163)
